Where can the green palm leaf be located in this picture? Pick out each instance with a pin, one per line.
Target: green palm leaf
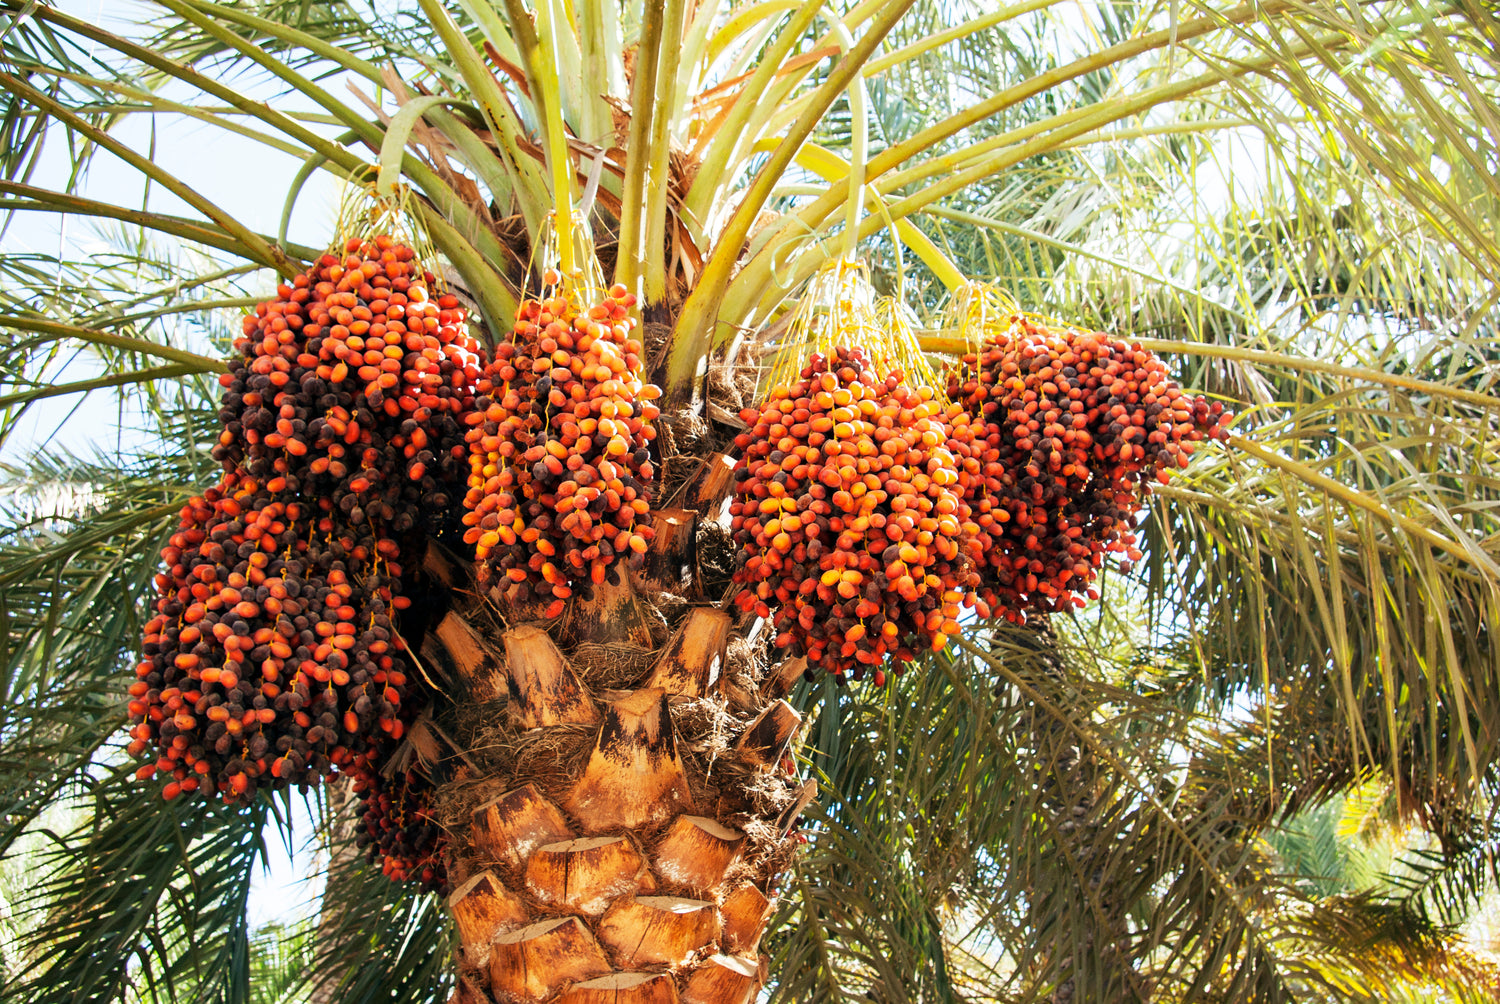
(169, 915)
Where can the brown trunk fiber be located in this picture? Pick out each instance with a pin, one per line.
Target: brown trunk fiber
(622, 809)
(765, 742)
(510, 827)
(715, 485)
(458, 652)
(695, 854)
(543, 688)
(584, 875)
(692, 660)
(634, 777)
(745, 913)
(658, 930)
(723, 979)
(534, 963)
(671, 554)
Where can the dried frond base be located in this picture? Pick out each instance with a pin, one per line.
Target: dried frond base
(628, 853)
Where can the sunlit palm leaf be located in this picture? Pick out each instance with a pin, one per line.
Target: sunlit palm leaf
(376, 939)
(147, 895)
(90, 539)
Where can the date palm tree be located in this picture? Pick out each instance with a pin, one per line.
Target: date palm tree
(1293, 202)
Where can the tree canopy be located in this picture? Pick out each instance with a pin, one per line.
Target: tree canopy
(1293, 202)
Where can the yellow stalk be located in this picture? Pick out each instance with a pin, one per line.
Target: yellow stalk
(932, 256)
(549, 84)
(861, 13)
(938, 39)
(447, 201)
(822, 162)
(696, 324)
(1355, 497)
(741, 22)
(716, 160)
(125, 343)
(637, 150)
(26, 198)
(813, 214)
(654, 254)
(859, 135)
(755, 278)
(253, 245)
(529, 185)
(97, 383)
(1068, 247)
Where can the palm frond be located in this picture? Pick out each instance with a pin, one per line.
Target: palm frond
(144, 898)
(1361, 945)
(1443, 885)
(375, 939)
(280, 957)
(81, 536)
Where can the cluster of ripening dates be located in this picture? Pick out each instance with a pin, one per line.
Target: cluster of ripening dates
(849, 523)
(352, 385)
(867, 512)
(560, 464)
(1066, 431)
(273, 657)
(397, 827)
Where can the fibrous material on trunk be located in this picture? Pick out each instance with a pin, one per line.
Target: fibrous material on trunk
(618, 813)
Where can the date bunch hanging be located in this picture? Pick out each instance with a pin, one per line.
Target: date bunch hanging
(852, 537)
(559, 447)
(1067, 429)
(273, 656)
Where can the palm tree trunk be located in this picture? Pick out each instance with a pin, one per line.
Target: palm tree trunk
(627, 795)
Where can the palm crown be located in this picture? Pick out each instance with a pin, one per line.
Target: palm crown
(1292, 202)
